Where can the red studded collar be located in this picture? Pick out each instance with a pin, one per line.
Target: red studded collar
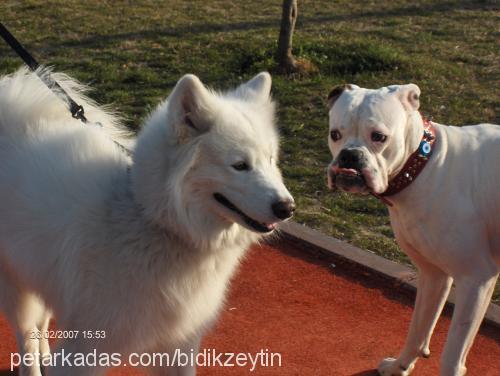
(413, 166)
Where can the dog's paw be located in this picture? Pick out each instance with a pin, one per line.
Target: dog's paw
(392, 367)
(426, 353)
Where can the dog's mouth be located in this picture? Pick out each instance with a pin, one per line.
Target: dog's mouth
(252, 223)
(348, 178)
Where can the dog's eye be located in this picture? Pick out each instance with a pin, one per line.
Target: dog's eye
(335, 135)
(378, 137)
(241, 166)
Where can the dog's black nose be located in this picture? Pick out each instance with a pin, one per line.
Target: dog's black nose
(350, 158)
(283, 209)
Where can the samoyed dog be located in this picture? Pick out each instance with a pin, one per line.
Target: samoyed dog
(130, 254)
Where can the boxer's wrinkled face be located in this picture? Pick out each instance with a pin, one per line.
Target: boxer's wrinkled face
(368, 135)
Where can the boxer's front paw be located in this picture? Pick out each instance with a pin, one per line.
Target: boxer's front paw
(392, 367)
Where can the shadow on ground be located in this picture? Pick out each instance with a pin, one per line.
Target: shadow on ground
(6, 372)
(364, 277)
(371, 372)
(181, 31)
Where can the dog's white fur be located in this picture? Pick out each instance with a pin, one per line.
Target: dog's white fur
(447, 220)
(139, 249)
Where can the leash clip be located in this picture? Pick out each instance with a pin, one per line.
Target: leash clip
(77, 112)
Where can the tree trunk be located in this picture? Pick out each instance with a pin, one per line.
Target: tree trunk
(286, 61)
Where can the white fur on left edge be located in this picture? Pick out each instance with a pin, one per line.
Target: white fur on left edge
(144, 255)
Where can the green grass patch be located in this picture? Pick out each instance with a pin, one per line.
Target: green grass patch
(351, 58)
(133, 53)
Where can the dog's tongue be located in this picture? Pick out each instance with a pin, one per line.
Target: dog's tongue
(346, 171)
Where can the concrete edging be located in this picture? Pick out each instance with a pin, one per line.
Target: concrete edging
(405, 276)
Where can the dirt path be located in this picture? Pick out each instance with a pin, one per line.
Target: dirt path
(323, 321)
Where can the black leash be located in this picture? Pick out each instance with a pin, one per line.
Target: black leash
(76, 110)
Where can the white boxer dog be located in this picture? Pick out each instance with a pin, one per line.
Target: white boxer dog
(441, 184)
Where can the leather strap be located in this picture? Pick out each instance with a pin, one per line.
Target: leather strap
(414, 165)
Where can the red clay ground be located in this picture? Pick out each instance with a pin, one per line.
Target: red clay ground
(323, 321)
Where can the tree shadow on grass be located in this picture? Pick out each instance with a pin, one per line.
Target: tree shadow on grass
(182, 31)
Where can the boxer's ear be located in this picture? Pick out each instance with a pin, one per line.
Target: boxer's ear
(336, 92)
(409, 95)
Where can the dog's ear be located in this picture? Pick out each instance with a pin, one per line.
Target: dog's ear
(409, 95)
(258, 88)
(189, 107)
(336, 92)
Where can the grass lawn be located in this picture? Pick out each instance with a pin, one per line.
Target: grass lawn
(133, 52)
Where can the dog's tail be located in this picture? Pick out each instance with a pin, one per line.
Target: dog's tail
(25, 101)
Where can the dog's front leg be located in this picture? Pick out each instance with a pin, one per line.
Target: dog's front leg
(67, 360)
(44, 342)
(432, 290)
(473, 296)
(182, 361)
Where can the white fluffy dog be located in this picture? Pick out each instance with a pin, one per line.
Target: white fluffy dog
(139, 251)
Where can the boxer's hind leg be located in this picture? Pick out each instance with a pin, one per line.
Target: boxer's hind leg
(432, 290)
(473, 296)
